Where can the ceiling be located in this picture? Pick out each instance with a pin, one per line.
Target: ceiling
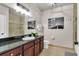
(46, 6)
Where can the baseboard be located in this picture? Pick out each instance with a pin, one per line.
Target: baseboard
(61, 46)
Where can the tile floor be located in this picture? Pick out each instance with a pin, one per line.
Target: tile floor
(55, 51)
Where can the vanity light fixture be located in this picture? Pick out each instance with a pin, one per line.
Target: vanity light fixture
(20, 5)
(22, 9)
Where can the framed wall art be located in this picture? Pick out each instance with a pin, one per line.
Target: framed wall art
(56, 23)
(31, 24)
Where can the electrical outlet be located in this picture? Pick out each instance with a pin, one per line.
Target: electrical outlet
(53, 38)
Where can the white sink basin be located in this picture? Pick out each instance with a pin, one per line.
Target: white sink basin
(28, 38)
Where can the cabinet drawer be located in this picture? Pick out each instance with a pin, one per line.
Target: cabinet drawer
(28, 45)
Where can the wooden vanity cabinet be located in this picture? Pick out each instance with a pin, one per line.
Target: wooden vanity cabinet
(32, 48)
(29, 49)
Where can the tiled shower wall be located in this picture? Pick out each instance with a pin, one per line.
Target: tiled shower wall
(16, 23)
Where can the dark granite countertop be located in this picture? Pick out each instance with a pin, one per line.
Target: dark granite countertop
(8, 45)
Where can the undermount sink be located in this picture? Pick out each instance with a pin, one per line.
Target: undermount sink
(28, 38)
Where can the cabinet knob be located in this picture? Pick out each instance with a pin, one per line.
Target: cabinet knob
(11, 54)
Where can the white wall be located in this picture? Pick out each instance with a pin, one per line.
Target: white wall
(63, 37)
(5, 11)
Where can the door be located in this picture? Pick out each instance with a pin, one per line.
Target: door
(77, 46)
(2, 26)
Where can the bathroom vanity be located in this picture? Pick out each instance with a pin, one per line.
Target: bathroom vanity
(23, 47)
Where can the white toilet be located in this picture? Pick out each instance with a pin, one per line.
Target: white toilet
(46, 43)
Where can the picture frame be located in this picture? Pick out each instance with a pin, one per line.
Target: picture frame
(56, 23)
(32, 24)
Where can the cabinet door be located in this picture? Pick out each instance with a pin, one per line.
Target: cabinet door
(41, 45)
(37, 49)
(29, 51)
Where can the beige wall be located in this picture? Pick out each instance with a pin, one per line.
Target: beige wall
(63, 37)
